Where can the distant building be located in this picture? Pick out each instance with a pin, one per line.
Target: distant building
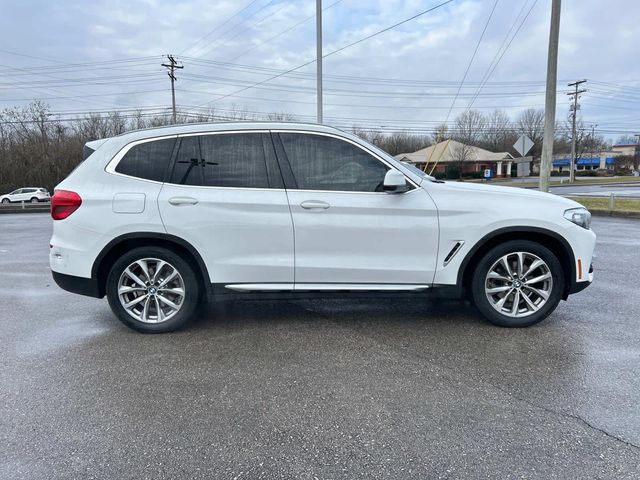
(603, 161)
(472, 159)
(625, 149)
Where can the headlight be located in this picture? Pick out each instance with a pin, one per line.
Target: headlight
(579, 216)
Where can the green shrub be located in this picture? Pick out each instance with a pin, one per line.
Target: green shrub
(452, 172)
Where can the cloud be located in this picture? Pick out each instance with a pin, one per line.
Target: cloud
(434, 50)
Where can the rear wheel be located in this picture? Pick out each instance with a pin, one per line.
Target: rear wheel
(153, 290)
(517, 284)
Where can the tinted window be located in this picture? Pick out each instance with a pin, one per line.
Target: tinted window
(187, 169)
(325, 163)
(147, 160)
(227, 160)
(234, 160)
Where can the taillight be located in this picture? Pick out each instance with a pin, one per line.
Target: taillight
(64, 203)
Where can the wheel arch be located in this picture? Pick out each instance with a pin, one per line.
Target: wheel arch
(555, 242)
(124, 243)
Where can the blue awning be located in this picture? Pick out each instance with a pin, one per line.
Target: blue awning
(593, 161)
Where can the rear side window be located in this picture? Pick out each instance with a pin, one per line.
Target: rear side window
(320, 162)
(147, 160)
(227, 160)
(234, 160)
(86, 152)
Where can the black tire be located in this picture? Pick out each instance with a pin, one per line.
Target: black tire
(189, 303)
(34, 200)
(6, 201)
(480, 277)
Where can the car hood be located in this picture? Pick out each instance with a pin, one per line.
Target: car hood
(498, 191)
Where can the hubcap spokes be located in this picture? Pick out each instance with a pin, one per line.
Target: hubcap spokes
(518, 284)
(151, 290)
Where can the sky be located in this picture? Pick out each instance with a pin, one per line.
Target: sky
(99, 55)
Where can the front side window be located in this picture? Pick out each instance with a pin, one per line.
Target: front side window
(147, 160)
(320, 162)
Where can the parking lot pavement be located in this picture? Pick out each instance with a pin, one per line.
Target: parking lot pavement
(318, 389)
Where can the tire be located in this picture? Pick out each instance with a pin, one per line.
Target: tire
(34, 200)
(546, 279)
(6, 201)
(143, 315)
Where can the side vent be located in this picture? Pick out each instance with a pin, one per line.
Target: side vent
(456, 248)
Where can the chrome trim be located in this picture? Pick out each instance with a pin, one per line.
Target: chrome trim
(320, 287)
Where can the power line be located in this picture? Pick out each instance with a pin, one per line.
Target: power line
(496, 60)
(334, 51)
(287, 30)
(473, 56)
(219, 26)
(222, 36)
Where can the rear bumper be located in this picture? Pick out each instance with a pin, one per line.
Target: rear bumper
(80, 285)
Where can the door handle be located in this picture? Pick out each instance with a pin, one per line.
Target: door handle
(180, 201)
(313, 204)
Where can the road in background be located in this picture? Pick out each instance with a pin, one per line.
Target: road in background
(326, 389)
(631, 191)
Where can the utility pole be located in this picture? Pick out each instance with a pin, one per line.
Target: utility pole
(550, 98)
(593, 138)
(319, 57)
(575, 94)
(172, 66)
(636, 152)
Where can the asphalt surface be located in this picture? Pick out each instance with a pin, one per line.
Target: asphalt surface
(318, 389)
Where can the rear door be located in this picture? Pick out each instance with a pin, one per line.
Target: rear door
(349, 234)
(226, 197)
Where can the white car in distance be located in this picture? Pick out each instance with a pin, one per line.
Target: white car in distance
(160, 219)
(28, 194)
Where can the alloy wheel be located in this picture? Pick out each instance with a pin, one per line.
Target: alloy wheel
(518, 284)
(151, 290)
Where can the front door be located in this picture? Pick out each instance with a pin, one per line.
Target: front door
(349, 234)
(225, 196)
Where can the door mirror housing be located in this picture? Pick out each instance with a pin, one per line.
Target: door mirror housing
(394, 182)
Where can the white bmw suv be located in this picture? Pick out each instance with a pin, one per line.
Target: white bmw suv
(160, 219)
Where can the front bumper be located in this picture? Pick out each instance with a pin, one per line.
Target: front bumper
(580, 286)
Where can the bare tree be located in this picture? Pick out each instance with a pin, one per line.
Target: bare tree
(498, 134)
(460, 154)
(468, 128)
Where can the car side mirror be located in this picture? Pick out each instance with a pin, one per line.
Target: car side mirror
(394, 182)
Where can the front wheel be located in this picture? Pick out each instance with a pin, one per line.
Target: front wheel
(5, 201)
(517, 284)
(153, 290)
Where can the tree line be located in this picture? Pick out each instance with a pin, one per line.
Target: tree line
(39, 149)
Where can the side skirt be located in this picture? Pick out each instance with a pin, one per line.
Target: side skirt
(234, 292)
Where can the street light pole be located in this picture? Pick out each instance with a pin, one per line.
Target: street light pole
(550, 98)
(319, 58)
